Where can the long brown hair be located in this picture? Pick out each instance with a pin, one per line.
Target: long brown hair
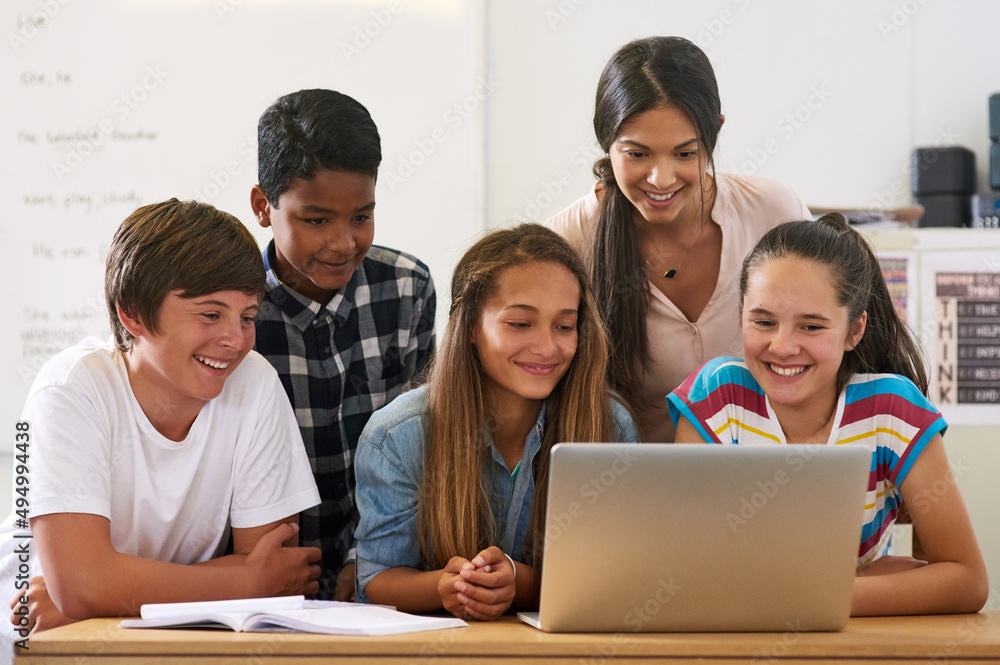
(454, 516)
(887, 346)
(643, 75)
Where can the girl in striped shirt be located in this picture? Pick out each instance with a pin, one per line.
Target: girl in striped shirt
(827, 360)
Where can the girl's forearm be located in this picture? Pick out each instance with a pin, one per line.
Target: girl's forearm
(945, 587)
(408, 589)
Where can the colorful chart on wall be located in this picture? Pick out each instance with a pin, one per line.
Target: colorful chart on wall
(900, 272)
(960, 301)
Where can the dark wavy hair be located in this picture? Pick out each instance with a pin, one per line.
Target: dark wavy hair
(643, 75)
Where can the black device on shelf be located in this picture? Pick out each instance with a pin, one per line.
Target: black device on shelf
(995, 117)
(995, 138)
(943, 181)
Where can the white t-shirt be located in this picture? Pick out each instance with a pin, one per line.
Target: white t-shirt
(93, 450)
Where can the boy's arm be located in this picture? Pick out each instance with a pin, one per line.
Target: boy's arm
(954, 579)
(87, 578)
(44, 614)
(345, 580)
(245, 539)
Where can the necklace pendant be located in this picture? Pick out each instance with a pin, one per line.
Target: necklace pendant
(670, 273)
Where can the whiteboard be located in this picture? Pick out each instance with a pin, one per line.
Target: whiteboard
(113, 105)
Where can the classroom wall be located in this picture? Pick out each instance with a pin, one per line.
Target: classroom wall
(829, 97)
(485, 112)
(116, 104)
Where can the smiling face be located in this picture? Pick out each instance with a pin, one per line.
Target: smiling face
(323, 228)
(795, 335)
(200, 343)
(659, 164)
(527, 334)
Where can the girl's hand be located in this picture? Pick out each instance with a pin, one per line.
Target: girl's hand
(447, 587)
(486, 588)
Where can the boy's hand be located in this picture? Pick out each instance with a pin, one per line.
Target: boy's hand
(487, 586)
(42, 612)
(447, 584)
(345, 584)
(280, 570)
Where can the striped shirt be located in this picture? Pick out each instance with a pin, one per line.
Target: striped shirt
(886, 413)
(340, 362)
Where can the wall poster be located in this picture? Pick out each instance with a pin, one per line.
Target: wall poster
(962, 290)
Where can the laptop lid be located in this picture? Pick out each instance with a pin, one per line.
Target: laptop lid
(673, 537)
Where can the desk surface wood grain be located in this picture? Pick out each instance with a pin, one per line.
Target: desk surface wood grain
(967, 638)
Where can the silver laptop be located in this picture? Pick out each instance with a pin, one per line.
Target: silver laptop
(674, 537)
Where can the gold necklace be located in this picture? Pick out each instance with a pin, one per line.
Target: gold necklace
(670, 274)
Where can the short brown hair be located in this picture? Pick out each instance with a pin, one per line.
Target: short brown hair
(177, 245)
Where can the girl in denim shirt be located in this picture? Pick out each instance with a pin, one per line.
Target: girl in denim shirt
(446, 473)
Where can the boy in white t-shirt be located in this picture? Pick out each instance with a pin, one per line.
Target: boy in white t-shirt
(141, 456)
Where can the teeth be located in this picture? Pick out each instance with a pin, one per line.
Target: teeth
(660, 197)
(211, 363)
(530, 367)
(786, 371)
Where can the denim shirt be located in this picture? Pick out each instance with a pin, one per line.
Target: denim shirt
(389, 465)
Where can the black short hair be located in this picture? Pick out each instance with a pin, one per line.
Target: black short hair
(309, 131)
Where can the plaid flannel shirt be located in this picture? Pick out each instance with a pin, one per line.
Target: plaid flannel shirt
(339, 363)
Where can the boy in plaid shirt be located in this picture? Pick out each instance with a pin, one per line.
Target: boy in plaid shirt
(344, 322)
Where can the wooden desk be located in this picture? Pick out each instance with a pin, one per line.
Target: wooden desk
(965, 638)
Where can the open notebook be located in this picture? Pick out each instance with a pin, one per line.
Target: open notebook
(290, 613)
(658, 537)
